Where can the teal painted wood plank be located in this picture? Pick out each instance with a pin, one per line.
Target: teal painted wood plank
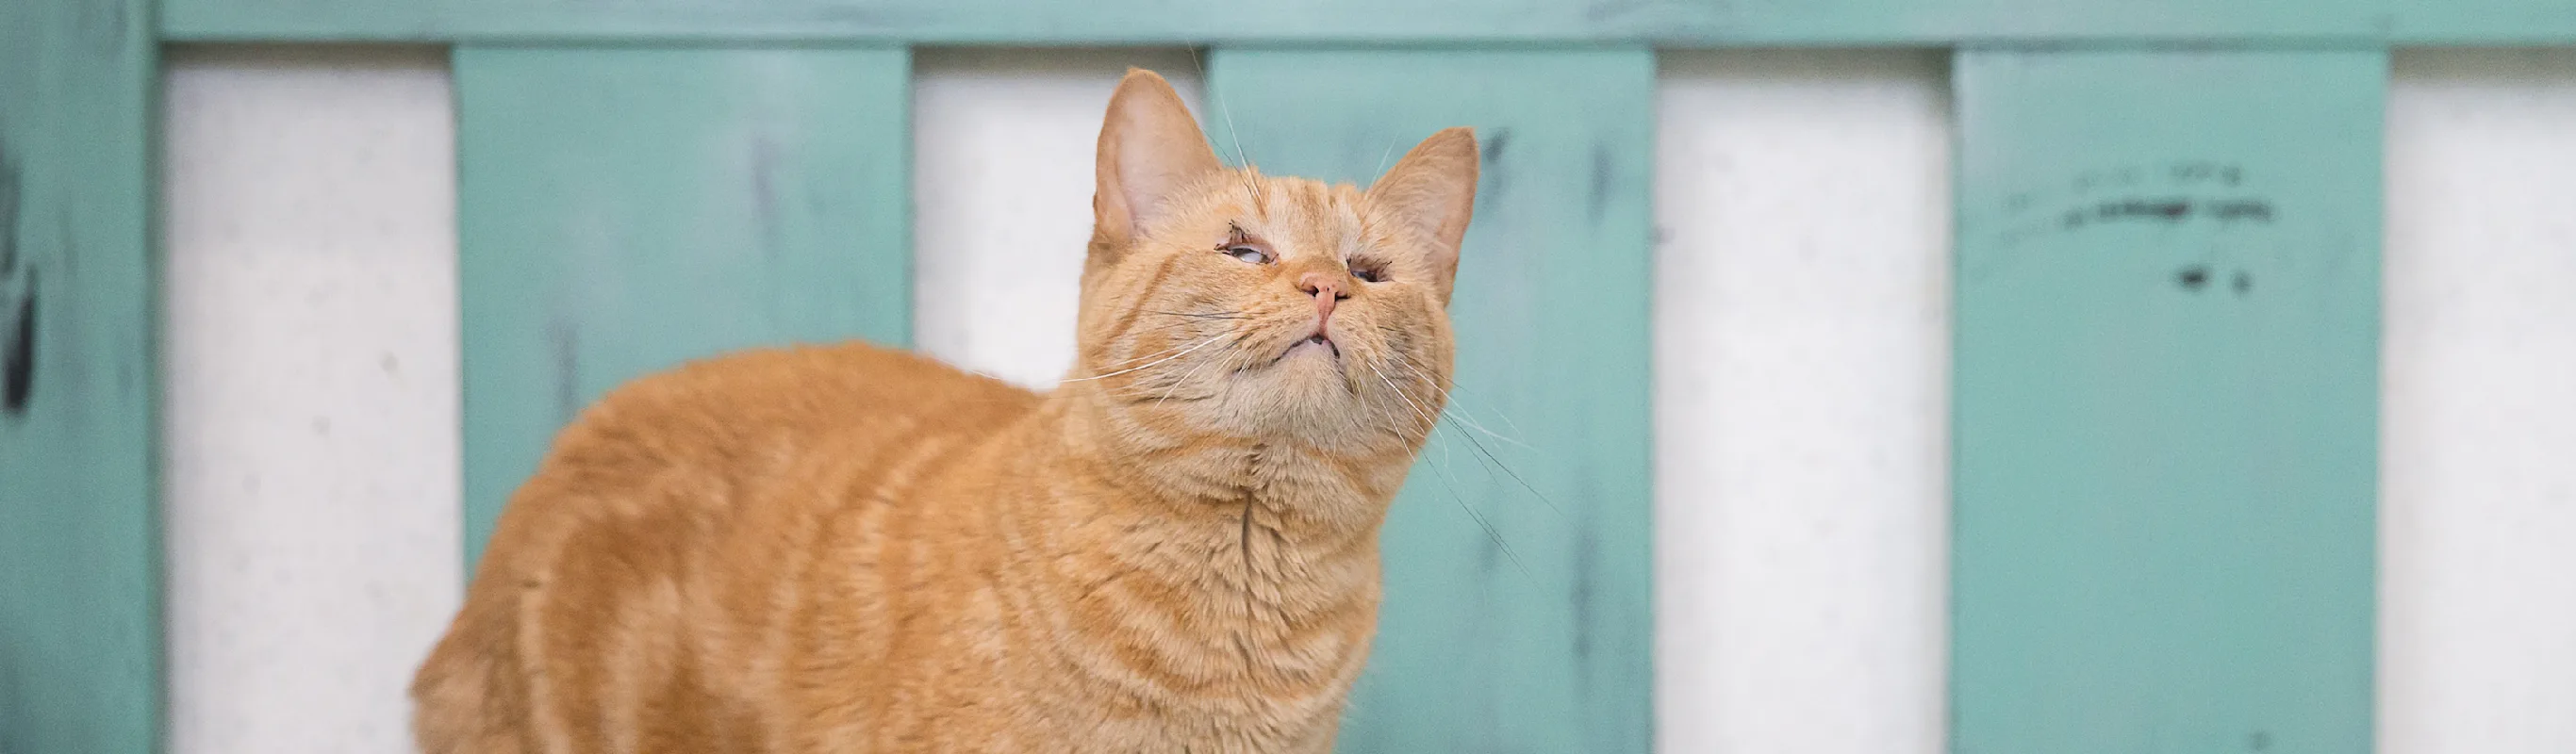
(623, 210)
(80, 548)
(2166, 401)
(2483, 22)
(1662, 22)
(1545, 646)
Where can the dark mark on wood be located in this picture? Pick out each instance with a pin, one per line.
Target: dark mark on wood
(2115, 177)
(1599, 205)
(2244, 283)
(2193, 278)
(565, 341)
(1494, 175)
(2260, 741)
(2242, 210)
(2208, 172)
(764, 194)
(18, 357)
(2135, 208)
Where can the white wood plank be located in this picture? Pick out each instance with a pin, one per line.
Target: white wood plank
(2478, 454)
(1802, 364)
(310, 382)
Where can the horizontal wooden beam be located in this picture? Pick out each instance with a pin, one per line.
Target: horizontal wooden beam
(1667, 23)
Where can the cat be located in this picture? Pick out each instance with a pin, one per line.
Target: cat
(853, 549)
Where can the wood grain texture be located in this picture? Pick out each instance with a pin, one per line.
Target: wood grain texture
(625, 209)
(1534, 635)
(80, 554)
(1662, 22)
(2166, 401)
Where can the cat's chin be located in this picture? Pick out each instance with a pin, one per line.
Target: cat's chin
(1305, 390)
(1313, 349)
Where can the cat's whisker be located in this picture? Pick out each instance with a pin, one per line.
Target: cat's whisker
(1461, 412)
(1184, 380)
(1150, 356)
(1496, 462)
(1165, 326)
(1201, 344)
(1418, 410)
(1490, 532)
(1198, 315)
(1240, 157)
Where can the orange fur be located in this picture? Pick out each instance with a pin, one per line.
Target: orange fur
(851, 549)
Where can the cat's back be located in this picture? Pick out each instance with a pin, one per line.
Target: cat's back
(649, 551)
(731, 431)
(709, 408)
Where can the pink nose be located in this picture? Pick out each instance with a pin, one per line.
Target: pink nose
(1326, 289)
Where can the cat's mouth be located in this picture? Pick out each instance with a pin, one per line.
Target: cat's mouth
(1315, 341)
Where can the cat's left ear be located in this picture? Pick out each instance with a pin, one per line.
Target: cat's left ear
(1150, 149)
(1433, 191)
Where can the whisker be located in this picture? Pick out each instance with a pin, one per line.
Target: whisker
(1166, 326)
(1184, 380)
(1231, 132)
(1199, 315)
(1461, 414)
(1496, 462)
(1124, 362)
(1201, 344)
(1496, 535)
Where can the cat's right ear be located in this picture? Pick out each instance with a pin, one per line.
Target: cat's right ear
(1150, 148)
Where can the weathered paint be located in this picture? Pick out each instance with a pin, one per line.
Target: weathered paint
(1661, 22)
(625, 209)
(1518, 613)
(80, 623)
(2166, 400)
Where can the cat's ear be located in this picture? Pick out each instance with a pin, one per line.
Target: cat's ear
(1433, 190)
(1150, 148)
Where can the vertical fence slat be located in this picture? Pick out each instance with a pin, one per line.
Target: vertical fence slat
(1541, 643)
(2166, 417)
(80, 582)
(624, 209)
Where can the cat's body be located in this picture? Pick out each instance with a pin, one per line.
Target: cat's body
(850, 549)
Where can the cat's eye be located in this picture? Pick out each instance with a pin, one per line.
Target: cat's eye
(1369, 272)
(1247, 254)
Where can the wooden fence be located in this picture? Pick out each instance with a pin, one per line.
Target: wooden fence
(2166, 353)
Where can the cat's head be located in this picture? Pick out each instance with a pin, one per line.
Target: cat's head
(1234, 302)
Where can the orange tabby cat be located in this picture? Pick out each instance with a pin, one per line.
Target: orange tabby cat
(850, 549)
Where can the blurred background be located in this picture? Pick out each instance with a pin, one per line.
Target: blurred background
(1801, 381)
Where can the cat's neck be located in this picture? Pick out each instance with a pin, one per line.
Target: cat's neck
(1315, 494)
(1250, 546)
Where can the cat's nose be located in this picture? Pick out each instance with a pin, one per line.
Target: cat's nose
(1327, 289)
